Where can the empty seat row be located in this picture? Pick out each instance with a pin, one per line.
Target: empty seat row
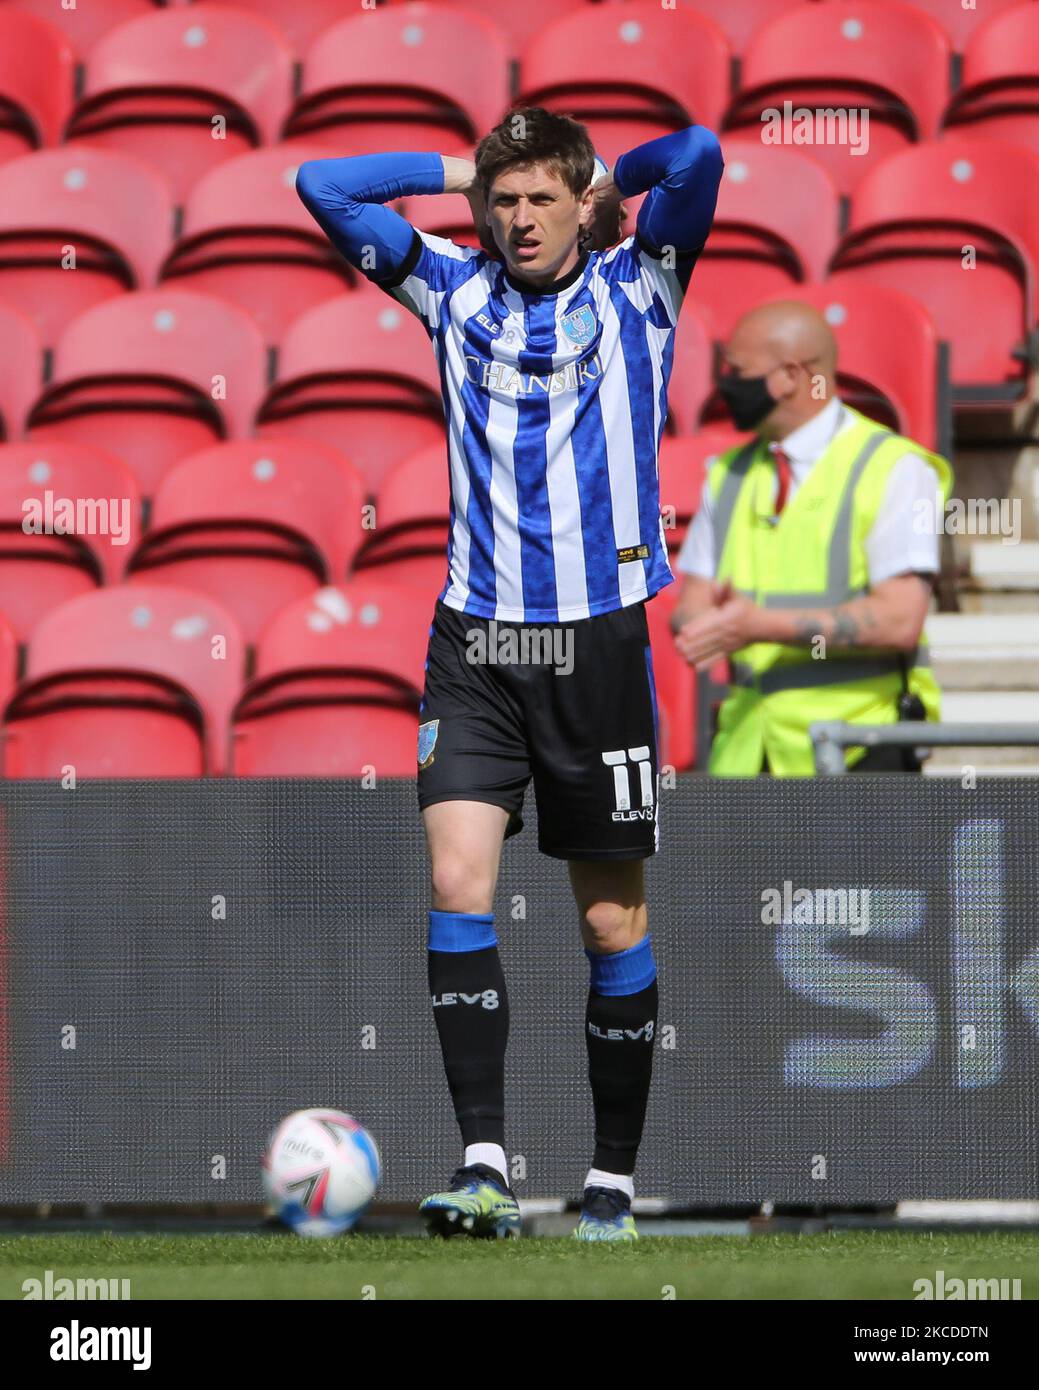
(150, 681)
(301, 21)
(156, 375)
(187, 88)
(135, 377)
(80, 230)
(252, 524)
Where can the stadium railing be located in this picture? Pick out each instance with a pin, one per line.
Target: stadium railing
(831, 737)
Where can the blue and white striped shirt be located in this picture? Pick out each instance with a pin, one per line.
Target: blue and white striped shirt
(555, 400)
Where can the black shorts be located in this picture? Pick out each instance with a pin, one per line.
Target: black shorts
(572, 705)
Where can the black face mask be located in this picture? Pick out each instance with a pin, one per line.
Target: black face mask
(748, 399)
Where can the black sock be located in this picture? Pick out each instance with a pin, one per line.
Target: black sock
(619, 1030)
(471, 1011)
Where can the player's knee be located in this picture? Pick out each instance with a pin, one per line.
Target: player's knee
(459, 885)
(609, 927)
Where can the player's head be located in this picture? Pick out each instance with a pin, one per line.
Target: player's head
(536, 169)
(781, 362)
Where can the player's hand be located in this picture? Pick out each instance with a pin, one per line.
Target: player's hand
(608, 213)
(718, 631)
(460, 177)
(478, 208)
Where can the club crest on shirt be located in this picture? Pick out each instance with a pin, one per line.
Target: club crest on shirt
(579, 325)
(427, 741)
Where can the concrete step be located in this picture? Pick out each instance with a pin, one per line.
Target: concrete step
(1022, 602)
(937, 767)
(991, 707)
(997, 564)
(975, 651)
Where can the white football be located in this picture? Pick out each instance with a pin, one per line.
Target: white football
(320, 1171)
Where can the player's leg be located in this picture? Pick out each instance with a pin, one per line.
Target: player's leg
(466, 983)
(473, 770)
(471, 1009)
(595, 776)
(620, 1024)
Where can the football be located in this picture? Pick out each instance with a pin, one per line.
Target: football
(320, 1171)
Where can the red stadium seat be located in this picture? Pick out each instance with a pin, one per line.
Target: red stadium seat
(998, 98)
(412, 511)
(683, 466)
(629, 71)
(356, 372)
(739, 20)
(887, 353)
(36, 75)
(155, 86)
(520, 22)
(299, 21)
(113, 210)
(254, 524)
(774, 228)
(959, 19)
(878, 55)
(692, 369)
(675, 682)
(153, 377)
(21, 369)
(86, 519)
(8, 662)
(83, 24)
(247, 237)
(911, 219)
(409, 77)
(127, 682)
(337, 686)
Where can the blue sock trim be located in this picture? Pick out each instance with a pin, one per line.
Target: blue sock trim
(461, 931)
(623, 972)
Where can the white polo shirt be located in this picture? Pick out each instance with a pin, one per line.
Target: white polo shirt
(897, 542)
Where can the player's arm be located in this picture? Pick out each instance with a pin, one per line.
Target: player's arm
(682, 173)
(345, 196)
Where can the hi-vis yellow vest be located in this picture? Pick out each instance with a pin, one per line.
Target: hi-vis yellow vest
(813, 557)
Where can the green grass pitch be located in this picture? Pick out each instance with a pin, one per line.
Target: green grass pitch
(838, 1265)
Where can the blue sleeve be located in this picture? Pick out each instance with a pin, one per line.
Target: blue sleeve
(682, 172)
(345, 197)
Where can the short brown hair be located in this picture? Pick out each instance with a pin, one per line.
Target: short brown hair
(532, 135)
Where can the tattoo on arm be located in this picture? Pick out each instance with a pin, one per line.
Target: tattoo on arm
(845, 629)
(836, 625)
(806, 630)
